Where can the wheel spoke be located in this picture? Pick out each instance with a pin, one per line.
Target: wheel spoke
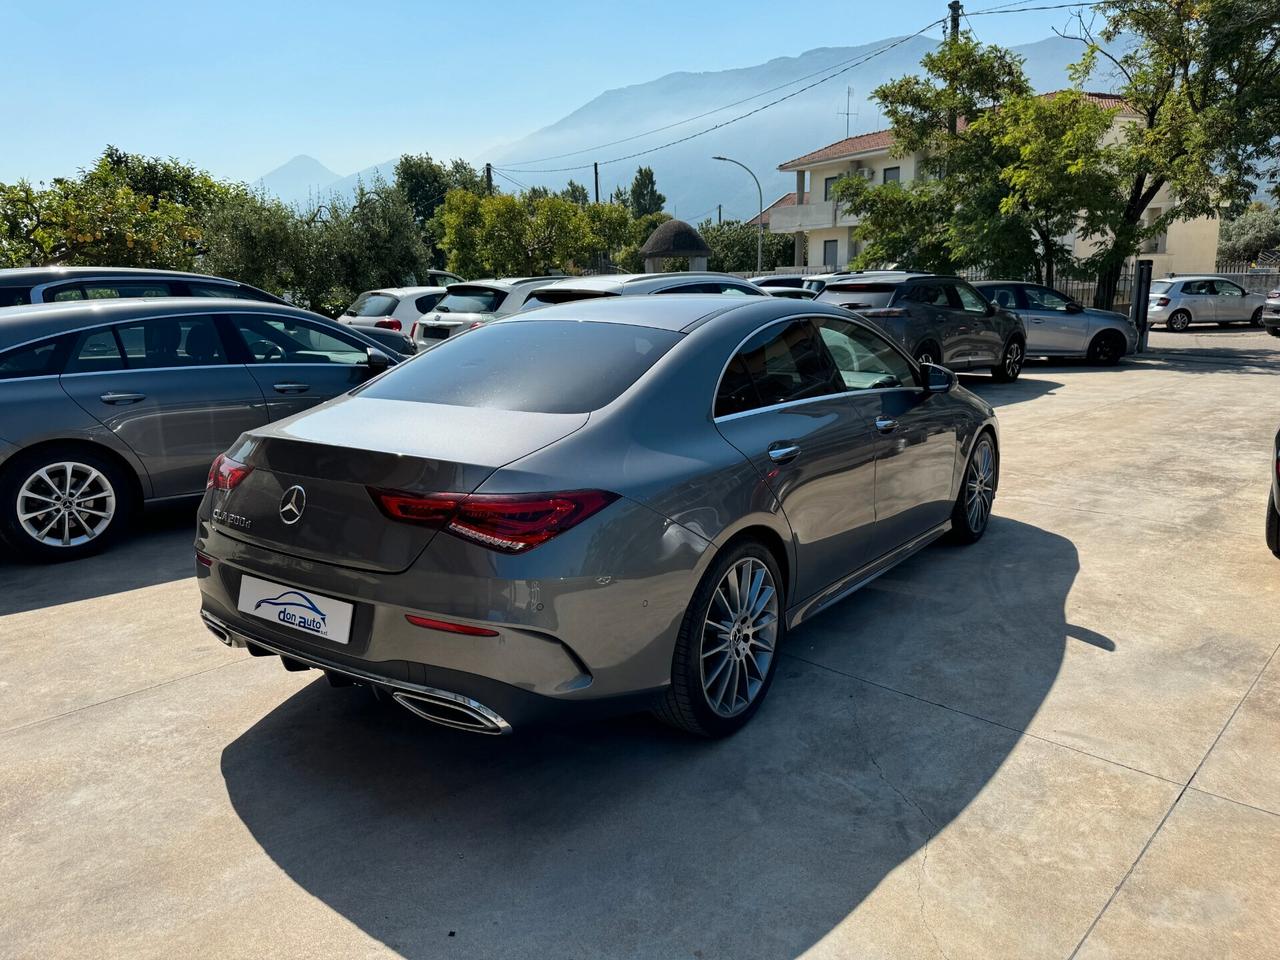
(738, 637)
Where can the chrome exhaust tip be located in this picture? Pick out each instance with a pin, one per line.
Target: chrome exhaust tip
(453, 710)
(220, 630)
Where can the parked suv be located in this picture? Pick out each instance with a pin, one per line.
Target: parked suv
(470, 304)
(1058, 326)
(631, 284)
(1182, 301)
(107, 405)
(24, 285)
(936, 319)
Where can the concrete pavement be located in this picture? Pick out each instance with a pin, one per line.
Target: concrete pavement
(1060, 742)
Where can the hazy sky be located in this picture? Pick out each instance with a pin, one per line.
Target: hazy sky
(239, 87)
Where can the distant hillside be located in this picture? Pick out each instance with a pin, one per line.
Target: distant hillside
(692, 181)
(301, 177)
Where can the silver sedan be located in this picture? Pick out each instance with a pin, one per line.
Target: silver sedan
(608, 504)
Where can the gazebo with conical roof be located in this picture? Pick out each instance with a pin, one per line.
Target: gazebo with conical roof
(675, 238)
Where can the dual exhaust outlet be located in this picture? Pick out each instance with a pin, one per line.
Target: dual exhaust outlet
(439, 706)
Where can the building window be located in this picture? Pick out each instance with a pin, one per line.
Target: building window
(1158, 243)
(830, 252)
(827, 185)
(892, 174)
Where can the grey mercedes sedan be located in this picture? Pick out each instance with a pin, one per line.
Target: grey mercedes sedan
(606, 504)
(109, 404)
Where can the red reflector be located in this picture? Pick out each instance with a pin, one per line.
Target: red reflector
(413, 330)
(1162, 302)
(390, 323)
(448, 627)
(511, 523)
(226, 474)
(203, 559)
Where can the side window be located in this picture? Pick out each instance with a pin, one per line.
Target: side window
(785, 362)
(1042, 298)
(736, 290)
(828, 185)
(35, 360)
(892, 175)
(274, 339)
(692, 288)
(968, 299)
(13, 296)
(1005, 296)
(426, 302)
(59, 294)
(171, 342)
(931, 294)
(114, 289)
(197, 289)
(864, 360)
(1226, 288)
(95, 351)
(1197, 287)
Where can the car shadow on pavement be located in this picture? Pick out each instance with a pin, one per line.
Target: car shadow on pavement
(1003, 394)
(157, 550)
(622, 838)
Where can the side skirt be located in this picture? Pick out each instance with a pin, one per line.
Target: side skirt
(861, 577)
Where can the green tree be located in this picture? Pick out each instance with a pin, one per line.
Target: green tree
(1243, 238)
(576, 193)
(902, 225)
(644, 197)
(733, 246)
(458, 224)
(426, 183)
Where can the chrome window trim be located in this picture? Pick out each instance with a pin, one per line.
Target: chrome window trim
(39, 289)
(858, 321)
(111, 373)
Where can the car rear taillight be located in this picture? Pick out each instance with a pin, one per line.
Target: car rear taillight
(1162, 301)
(880, 311)
(387, 323)
(509, 523)
(430, 623)
(226, 474)
(413, 331)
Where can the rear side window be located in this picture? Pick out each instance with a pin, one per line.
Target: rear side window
(859, 296)
(544, 297)
(1005, 296)
(784, 362)
(198, 289)
(548, 366)
(114, 289)
(35, 360)
(373, 305)
(171, 342)
(1160, 286)
(14, 296)
(426, 302)
(95, 351)
(461, 299)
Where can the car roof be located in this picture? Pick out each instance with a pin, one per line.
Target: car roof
(677, 312)
(506, 284)
(29, 322)
(1192, 276)
(13, 276)
(638, 282)
(406, 291)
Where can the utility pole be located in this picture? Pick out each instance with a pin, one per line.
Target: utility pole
(719, 213)
(847, 112)
(596, 168)
(952, 37)
(488, 179)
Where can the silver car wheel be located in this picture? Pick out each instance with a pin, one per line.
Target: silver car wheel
(66, 504)
(979, 486)
(739, 634)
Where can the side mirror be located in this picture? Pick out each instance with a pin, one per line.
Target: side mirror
(1073, 307)
(938, 379)
(377, 361)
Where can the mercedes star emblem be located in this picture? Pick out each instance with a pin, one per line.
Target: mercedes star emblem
(292, 504)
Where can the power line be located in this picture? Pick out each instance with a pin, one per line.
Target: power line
(742, 116)
(1052, 6)
(504, 176)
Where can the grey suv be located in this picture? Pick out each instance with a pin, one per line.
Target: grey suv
(107, 405)
(936, 319)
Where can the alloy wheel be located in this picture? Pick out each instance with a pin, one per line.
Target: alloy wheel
(1013, 360)
(66, 504)
(979, 486)
(739, 635)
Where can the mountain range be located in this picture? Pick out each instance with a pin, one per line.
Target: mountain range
(692, 182)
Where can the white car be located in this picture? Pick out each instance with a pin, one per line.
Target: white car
(470, 304)
(1178, 302)
(392, 308)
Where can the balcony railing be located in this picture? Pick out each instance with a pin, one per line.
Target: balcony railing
(809, 216)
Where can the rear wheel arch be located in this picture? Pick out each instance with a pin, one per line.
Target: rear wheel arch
(772, 541)
(62, 447)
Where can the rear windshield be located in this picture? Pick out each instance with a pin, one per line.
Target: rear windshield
(534, 366)
(1160, 286)
(471, 300)
(857, 296)
(564, 296)
(373, 305)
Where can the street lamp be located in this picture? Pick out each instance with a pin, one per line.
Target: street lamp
(759, 219)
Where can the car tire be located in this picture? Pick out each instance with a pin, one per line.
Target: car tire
(1274, 331)
(1106, 349)
(699, 700)
(1256, 319)
(1010, 366)
(928, 352)
(1273, 525)
(92, 484)
(972, 511)
(1178, 321)
(1225, 323)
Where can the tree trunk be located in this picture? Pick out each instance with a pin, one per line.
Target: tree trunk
(1104, 295)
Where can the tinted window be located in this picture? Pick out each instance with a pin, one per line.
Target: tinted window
(373, 305)
(968, 299)
(858, 296)
(425, 302)
(785, 362)
(171, 342)
(289, 340)
(932, 294)
(113, 289)
(36, 360)
(471, 300)
(95, 351)
(546, 296)
(1002, 296)
(222, 290)
(13, 296)
(864, 360)
(64, 293)
(549, 366)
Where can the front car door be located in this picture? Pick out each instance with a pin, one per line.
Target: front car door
(1230, 301)
(1057, 331)
(781, 402)
(914, 433)
(1198, 297)
(986, 344)
(297, 362)
(166, 388)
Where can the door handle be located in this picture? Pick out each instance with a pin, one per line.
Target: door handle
(1037, 319)
(886, 424)
(783, 452)
(116, 399)
(291, 387)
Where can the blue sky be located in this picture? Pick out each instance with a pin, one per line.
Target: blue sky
(240, 87)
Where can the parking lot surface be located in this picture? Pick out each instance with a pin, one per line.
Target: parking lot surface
(1060, 742)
